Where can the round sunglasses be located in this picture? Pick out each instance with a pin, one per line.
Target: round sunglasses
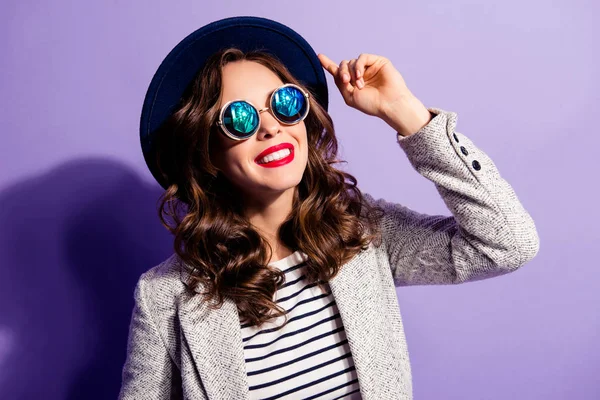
(240, 119)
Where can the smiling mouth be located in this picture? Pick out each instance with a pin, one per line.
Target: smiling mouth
(277, 163)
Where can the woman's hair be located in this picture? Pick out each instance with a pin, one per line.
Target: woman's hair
(330, 220)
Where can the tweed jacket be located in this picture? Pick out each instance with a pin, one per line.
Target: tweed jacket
(178, 348)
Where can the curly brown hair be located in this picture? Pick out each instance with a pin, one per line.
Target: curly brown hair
(330, 220)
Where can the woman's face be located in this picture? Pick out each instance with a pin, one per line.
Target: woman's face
(237, 159)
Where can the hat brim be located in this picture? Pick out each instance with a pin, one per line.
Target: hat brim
(182, 64)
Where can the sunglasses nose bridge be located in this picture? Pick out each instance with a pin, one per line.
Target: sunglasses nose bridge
(271, 124)
(270, 112)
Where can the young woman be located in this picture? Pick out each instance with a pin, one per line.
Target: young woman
(282, 282)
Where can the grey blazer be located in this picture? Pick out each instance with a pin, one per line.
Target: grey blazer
(179, 348)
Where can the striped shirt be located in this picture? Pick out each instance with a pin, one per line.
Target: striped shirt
(309, 358)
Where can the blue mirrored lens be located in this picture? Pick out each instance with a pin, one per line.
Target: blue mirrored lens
(289, 104)
(240, 118)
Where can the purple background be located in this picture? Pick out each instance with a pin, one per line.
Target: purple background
(77, 203)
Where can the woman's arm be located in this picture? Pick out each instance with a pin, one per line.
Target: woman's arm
(148, 369)
(489, 234)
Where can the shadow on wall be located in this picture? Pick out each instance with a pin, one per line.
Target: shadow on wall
(73, 243)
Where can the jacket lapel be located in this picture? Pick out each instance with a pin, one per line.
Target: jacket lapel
(215, 341)
(214, 336)
(354, 291)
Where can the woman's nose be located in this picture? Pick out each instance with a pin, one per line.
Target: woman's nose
(268, 123)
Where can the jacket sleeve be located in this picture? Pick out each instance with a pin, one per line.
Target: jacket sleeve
(148, 370)
(489, 233)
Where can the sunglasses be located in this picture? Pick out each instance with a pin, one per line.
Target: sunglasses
(240, 119)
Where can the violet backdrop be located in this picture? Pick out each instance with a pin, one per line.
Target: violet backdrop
(77, 203)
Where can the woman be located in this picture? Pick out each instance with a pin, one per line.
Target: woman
(282, 284)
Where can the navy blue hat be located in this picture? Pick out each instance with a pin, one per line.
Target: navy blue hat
(182, 64)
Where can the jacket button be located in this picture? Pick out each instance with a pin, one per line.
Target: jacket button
(476, 165)
(455, 137)
(464, 151)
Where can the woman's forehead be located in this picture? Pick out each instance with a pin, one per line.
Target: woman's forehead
(248, 80)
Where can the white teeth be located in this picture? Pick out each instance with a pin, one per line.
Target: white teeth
(278, 155)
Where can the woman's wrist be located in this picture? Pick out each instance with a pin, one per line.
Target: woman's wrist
(407, 116)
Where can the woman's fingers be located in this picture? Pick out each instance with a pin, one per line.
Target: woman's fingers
(333, 69)
(341, 74)
(356, 70)
(329, 65)
(363, 61)
(352, 71)
(349, 71)
(345, 84)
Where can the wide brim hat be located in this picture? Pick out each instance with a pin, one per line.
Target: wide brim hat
(184, 61)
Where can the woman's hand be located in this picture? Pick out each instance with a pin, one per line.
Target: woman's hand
(371, 84)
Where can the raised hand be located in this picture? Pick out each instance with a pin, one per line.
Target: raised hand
(371, 84)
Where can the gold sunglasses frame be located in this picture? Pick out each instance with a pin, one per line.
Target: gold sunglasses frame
(224, 107)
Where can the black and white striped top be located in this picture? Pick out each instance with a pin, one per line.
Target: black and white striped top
(309, 358)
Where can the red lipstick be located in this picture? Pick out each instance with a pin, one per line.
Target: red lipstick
(273, 149)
